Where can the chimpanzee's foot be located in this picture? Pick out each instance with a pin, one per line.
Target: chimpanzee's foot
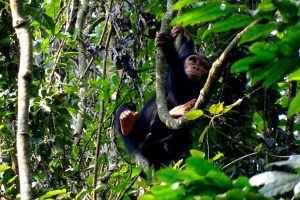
(127, 121)
(181, 110)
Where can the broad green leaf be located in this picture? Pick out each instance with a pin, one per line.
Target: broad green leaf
(236, 193)
(115, 79)
(148, 197)
(241, 182)
(246, 63)
(200, 165)
(295, 76)
(172, 192)
(264, 50)
(257, 31)
(294, 106)
(288, 9)
(52, 8)
(258, 120)
(205, 13)
(53, 193)
(169, 175)
(180, 4)
(285, 50)
(3, 168)
(42, 18)
(293, 36)
(278, 69)
(232, 22)
(220, 179)
(197, 153)
(216, 108)
(266, 6)
(194, 114)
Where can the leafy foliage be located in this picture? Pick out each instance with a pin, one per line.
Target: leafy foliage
(200, 179)
(251, 118)
(277, 182)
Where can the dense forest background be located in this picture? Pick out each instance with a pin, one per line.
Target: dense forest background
(89, 57)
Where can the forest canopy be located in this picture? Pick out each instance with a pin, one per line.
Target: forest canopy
(67, 66)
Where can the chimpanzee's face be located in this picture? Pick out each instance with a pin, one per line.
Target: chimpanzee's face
(196, 67)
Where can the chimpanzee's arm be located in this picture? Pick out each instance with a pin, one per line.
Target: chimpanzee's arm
(186, 44)
(166, 42)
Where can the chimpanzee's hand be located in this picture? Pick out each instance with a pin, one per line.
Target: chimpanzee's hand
(162, 39)
(176, 30)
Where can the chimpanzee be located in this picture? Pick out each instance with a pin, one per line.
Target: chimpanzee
(143, 133)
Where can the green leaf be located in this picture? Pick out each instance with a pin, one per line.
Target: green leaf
(293, 36)
(241, 182)
(168, 175)
(52, 8)
(180, 4)
(203, 134)
(220, 179)
(216, 108)
(246, 63)
(197, 153)
(171, 175)
(258, 120)
(257, 31)
(200, 165)
(278, 69)
(178, 164)
(264, 50)
(205, 13)
(237, 194)
(218, 156)
(295, 76)
(194, 114)
(81, 193)
(266, 6)
(115, 79)
(288, 9)
(294, 106)
(12, 179)
(53, 193)
(232, 22)
(3, 168)
(42, 18)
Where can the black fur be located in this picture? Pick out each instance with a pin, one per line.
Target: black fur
(150, 138)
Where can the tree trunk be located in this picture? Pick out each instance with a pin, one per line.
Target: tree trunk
(24, 79)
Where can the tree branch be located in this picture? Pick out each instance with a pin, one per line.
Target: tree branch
(161, 67)
(205, 91)
(213, 75)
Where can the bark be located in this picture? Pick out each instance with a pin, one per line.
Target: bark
(82, 65)
(24, 80)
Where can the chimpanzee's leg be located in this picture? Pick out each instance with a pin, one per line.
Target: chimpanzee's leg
(181, 110)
